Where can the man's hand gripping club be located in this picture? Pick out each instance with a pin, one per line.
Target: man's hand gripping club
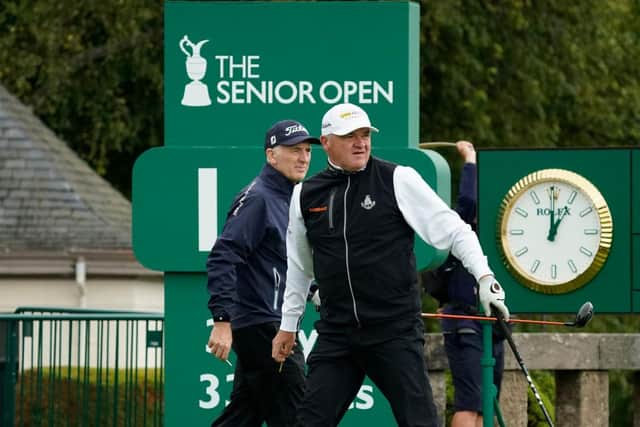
(284, 341)
(492, 295)
(282, 345)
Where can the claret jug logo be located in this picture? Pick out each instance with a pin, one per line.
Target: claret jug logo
(242, 79)
(196, 93)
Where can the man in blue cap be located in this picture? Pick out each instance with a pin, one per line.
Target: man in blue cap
(246, 280)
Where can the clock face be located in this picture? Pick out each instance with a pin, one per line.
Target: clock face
(555, 230)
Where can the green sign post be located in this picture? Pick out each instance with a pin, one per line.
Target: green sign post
(635, 228)
(231, 70)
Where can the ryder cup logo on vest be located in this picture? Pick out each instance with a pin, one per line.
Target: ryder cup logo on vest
(367, 203)
(244, 79)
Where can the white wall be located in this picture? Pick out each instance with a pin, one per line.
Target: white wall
(139, 294)
(51, 341)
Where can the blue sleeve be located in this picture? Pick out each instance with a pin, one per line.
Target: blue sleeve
(242, 233)
(467, 194)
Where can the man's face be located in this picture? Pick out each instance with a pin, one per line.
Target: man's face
(351, 151)
(291, 161)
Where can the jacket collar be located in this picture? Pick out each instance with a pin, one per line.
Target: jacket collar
(276, 181)
(337, 170)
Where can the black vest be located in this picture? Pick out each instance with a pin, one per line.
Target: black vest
(362, 247)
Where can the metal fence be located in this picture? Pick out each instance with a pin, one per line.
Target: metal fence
(72, 367)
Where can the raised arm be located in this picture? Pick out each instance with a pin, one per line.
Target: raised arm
(442, 228)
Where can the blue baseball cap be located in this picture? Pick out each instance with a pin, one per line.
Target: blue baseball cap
(288, 132)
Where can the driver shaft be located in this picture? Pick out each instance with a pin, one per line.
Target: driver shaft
(492, 319)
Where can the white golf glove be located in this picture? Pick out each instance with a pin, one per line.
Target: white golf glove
(492, 294)
(314, 295)
(315, 299)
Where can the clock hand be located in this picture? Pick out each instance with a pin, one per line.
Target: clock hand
(554, 230)
(552, 196)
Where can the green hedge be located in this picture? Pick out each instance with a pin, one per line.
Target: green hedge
(90, 397)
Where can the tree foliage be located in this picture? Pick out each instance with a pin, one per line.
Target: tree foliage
(526, 73)
(503, 74)
(509, 73)
(92, 71)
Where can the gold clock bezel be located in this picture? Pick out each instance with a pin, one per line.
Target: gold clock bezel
(604, 216)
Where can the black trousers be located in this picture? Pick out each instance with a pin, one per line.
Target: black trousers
(392, 355)
(261, 392)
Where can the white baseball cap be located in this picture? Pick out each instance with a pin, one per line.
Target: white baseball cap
(342, 119)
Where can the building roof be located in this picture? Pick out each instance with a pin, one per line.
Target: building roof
(51, 200)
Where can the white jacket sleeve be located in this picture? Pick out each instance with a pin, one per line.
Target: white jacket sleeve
(436, 223)
(299, 266)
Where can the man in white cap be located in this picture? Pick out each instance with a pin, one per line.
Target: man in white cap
(351, 228)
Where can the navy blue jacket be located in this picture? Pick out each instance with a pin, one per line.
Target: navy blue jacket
(247, 265)
(461, 284)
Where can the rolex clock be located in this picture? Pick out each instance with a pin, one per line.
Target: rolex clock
(554, 231)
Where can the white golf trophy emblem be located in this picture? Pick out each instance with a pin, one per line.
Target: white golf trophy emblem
(196, 93)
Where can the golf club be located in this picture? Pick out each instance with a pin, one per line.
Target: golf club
(584, 315)
(435, 144)
(516, 353)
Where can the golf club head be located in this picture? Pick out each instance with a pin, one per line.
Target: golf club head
(584, 315)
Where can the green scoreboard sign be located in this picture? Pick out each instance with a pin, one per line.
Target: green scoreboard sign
(562, 227)
(231, 70)
(234, 68)
(181, 196)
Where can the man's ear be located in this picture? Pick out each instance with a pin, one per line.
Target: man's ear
(323, 141)
(269, 152)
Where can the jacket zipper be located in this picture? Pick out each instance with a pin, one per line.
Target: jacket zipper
(276, 281)
(332, 196)
(346, 249)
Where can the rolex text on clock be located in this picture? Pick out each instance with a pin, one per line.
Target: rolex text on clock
(554, 231)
